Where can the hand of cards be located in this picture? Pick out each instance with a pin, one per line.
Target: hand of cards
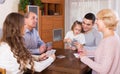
(50, 52)
(73, 42)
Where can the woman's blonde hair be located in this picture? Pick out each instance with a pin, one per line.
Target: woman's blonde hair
(109, 17)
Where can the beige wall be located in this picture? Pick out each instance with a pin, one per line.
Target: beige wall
(112, 4)
(12, 6)
(6, 8)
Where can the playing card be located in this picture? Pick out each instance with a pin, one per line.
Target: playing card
(50, 52)
(76, 55)
(61, 56)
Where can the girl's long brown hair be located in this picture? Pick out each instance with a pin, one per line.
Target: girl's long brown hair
(12, 34)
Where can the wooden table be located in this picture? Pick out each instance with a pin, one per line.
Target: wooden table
(67, 65)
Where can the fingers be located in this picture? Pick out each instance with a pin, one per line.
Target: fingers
(82, 53)
(69, 40)
(43, 57)
(53, 56)
(42, 48)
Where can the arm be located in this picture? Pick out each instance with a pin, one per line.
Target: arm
(67, 37)
(39, 41)
(40, 57)
(90, 50)
(40, 44)
(33, 41)
(40, 66)
(67, 40)
(81, 39)
(98, 37)
(105, 62)
(34, 51)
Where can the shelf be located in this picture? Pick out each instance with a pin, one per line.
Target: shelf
(52, 22)
(51, 9)
(51, 1)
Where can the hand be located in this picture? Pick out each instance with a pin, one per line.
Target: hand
(78, 45)
(43, 56)
(53, 56)
(73, 48)
(42, 48)
(49, 45)
(82, 53)
(67, 40)
(49, 48)
(67, 47)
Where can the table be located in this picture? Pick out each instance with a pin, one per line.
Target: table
(67, 65)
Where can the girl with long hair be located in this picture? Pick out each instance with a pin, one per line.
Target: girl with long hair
(14, 57)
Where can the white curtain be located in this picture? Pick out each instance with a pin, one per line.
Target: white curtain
(76, 9)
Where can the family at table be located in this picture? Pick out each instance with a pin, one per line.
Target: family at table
(20, 41)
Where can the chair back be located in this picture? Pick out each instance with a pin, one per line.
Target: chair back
(2, 71)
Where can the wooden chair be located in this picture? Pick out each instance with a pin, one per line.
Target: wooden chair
(2, 71)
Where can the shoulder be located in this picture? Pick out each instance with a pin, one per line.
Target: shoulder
(26, 30)
(4, 46)
(112, 39)
(94, 30)
(35, 30)
(81, 35)
(70, 32)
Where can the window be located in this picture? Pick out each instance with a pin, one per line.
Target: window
(57, 34)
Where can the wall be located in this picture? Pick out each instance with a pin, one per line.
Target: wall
(6, 8)
(12, 6)
(77, 8)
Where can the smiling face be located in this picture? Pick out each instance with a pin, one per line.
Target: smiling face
(100, 25)
(87, 25)
(31, 20)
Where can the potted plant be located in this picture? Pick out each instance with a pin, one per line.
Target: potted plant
(24, 3)
(38, 3)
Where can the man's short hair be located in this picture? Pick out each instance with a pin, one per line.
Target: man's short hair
(27, 14)
(90, 16)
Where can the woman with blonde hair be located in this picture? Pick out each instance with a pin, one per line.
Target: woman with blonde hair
(14, 57)
(107, 54)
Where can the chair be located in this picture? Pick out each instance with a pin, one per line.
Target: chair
(2, 71)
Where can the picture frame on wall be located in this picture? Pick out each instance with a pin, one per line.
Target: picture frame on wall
(57, 34)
